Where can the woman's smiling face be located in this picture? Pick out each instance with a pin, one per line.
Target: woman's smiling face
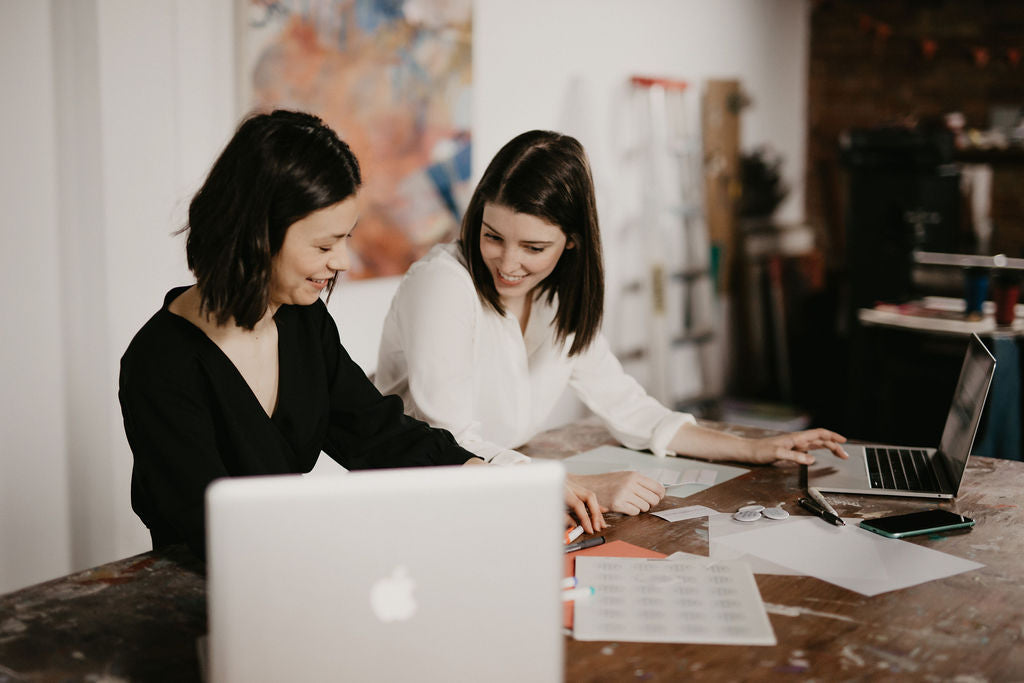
(315, 249)
(519, 250)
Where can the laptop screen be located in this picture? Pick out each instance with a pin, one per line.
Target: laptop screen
(965, 411)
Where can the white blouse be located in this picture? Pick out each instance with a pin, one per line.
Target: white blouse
(458, 365)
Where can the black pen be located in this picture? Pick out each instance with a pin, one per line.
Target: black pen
(585, 543)
(813, 507)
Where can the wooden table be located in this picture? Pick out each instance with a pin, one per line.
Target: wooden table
(138, 619)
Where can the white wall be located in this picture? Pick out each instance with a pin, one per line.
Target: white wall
(359, 307)
(562, 64)
(34, 521)
(119, 108)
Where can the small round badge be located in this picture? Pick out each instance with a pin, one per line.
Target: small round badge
(775, 513)
(747, 515)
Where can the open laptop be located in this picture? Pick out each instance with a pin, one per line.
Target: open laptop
(443, 573)
(911, 471)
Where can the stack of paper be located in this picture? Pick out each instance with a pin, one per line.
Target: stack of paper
(666, 601)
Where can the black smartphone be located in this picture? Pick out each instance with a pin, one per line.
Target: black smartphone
(914, 523)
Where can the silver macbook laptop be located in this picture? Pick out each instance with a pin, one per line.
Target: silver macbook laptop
(911, 471)
(421, 574)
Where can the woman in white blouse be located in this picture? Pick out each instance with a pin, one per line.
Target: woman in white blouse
(484, 334)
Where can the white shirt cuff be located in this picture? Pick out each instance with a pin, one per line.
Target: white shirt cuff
(666, 429)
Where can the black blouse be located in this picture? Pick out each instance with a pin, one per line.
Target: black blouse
(190, 417)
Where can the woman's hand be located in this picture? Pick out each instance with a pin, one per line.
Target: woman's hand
(582, 502)
(795, 446)
(628, 492)
(704, 442)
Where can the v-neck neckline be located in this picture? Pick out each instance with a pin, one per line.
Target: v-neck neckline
(535, 326)
(224, 358)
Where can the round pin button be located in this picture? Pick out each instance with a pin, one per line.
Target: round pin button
(775, 513)
(752, 508)
(747, 515)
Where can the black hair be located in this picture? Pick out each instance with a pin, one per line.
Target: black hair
(277, 169)
(546, 175)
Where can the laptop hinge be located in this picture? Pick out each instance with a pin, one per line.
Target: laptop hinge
(945, 473)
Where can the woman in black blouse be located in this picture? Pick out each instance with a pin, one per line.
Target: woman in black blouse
(243, 373)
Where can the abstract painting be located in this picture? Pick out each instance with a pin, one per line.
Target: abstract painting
(393, 78)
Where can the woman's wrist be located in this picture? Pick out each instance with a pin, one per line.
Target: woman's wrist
(749, 449)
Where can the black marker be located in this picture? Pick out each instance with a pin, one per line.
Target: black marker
(816, 509)
(585, 543)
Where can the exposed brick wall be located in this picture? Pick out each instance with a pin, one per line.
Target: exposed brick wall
(867, 68)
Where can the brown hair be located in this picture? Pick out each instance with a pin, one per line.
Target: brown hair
(546, 175)
(277, 169)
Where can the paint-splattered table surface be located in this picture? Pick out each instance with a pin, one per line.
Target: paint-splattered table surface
(136, 619)
(967, 628)
(139, 619)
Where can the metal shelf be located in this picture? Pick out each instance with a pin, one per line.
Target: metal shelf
(996, 262)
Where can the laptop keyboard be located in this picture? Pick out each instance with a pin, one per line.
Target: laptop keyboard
(906, 469)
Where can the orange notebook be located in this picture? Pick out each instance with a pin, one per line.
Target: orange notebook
(612, 549)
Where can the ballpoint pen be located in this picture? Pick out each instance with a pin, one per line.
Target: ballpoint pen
(585, 543)
(819, 511)
(814, 493)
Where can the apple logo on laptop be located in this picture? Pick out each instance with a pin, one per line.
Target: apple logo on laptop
(391, 596)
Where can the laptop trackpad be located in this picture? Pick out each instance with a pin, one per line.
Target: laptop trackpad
(830, 471)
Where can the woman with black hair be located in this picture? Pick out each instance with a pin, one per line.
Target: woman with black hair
(243, 373)
(485, 334)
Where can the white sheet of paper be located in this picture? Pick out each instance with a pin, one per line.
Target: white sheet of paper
(592, 467)
(723, 524)
(661, 601)
(680, 555)
(667, 477)
(662, 476)
(849, 556)
(690, 476)
(689, 512)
